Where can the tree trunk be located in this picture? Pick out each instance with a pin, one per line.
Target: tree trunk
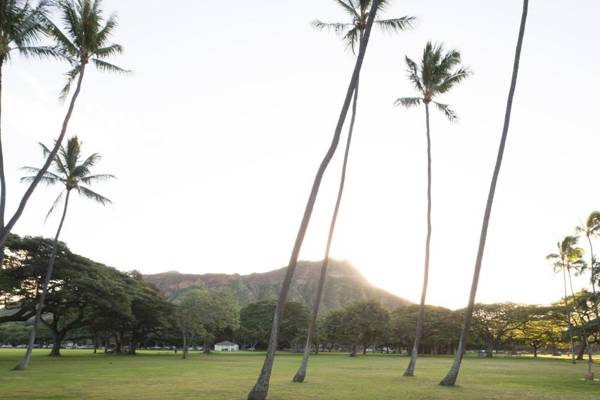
(13, 220)
(450, 378)
(568, 314)
(353, 351)
(24, 363)
(2, 175)
(261, 388)
(582, 348)
(410, 370)
(184, 353)
(490, 350)
(364, 350)
(58, 339)
(206, 348)
(312, 325)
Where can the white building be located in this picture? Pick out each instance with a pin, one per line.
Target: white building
(226, 346)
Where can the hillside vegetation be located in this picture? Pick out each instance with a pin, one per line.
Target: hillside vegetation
(345, 284)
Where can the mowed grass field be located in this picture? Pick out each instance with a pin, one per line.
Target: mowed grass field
(79, 374)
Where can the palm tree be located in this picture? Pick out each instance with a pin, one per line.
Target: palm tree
(450, 378)
(438, 73)
(21, 27)
(261, 388)
(73, 173)
(568, 256)
(85, 39)
(590, 229)
(352, 32)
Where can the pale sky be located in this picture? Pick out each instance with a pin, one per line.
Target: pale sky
(216, 136)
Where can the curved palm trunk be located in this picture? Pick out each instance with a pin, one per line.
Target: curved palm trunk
(410, 370)
(24, 363)
(261, 388)
(450, 378)
(13, 220)
(301, 373)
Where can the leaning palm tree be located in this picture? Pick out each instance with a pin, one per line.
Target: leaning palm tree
(567, 257)
(438, 72)
(72, 172)
(84, 39)
(450, 378)
(352, 33)
(21, 28)
(261, 388)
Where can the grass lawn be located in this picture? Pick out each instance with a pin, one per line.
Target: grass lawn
(79, 374)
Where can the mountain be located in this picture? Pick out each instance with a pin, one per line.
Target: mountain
(344, 285)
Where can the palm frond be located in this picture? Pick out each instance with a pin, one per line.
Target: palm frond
(453, 79)
(40, 51)
(413, 74)
(55, 204)
(337, 27)
(348, 7)
(350, 38)
(90, 194)
(108, 67)
(88, 180)
(71, 76)
(408, 102)
(448, 112)
(396, 24)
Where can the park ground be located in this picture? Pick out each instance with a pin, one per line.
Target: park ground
(79, 374)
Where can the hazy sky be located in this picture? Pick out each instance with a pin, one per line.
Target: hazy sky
(216, 136)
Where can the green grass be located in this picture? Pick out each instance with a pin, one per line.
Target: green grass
(79, 374)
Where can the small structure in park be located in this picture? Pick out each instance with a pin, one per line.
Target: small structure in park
(227, 346)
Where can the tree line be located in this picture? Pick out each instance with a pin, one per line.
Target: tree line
(90, 303)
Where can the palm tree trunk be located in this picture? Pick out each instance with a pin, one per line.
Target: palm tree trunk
(410, 370)
(2, 175)
(261, 388)
(13, 220)
(301, 373)
(450, 378)
(568, 314)
(590, 374)
(24, 363)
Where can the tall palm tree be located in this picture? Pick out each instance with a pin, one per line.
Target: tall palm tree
(590, 229)
(21, 27)
(73, 173)
(567, 257)
(438, 72)
(352, 32)
(84, 39)
(261, 388)
(450, 378)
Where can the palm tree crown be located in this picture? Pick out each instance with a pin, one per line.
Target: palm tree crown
(568, 256)
(439, 72)
(358, 10)
(71, 171)
(21, 27)
(85, 38)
